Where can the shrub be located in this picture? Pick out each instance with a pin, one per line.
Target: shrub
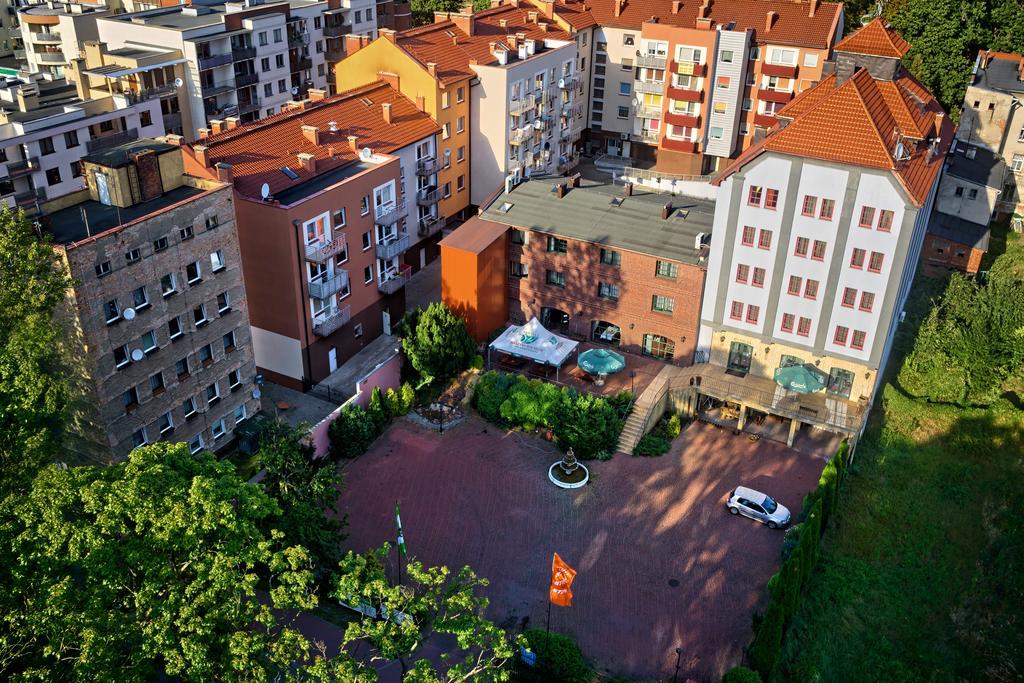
(652, 444)
(587, 424)
(531, 404)
(408, 397)
(378, 411)
(559, 659)
(674, 426)
(741, 674)
(351, 433)
(490, 392)
(436, 343)
(622, 402)
(477, 363)
(393, 403)
(764, 651)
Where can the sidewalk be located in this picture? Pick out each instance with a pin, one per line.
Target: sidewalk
(424, 287)
(340, 385)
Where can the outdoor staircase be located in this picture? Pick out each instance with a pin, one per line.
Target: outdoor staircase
(640, 420)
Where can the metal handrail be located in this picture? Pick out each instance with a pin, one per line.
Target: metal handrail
(391, 247)
(326, 285)
(389, 213)
(331, 319)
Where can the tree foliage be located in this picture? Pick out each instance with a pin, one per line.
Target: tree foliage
(431, 600)
(436, 342)
(150, 568)
(351, 433)
(306, 490)
(33, 388)
(559, 659)
(423, 10)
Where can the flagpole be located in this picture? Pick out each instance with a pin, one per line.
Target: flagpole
(547, 628)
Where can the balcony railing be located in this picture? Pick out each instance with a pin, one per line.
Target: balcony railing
(427, 166)
(321, 250)
(331, 320)
(428, 225)
(325, 286)
(649, 136)
(337, 30)
(335, 54)
(647, 112)
(251, 105)
(45, 37)
(428, 197)
(520, 106)
(298, 39)
(393, 280)
(213, 61)
(239, 54)
(390, 247)
(157, 91)
(50, 58)
(243, 80)
(22, 167)
(30, 197)
(690, 68)
(388, 214)
(302, 63)
(651, 61)
(566, 82)
(112, 140)
(520, 135)
(654, 87)
(19, 54)
(218, 88)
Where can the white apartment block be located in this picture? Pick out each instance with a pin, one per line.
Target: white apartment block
(52, 34)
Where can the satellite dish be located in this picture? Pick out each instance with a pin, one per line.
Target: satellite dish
(366, 154)
(265, 191)
(137, 355)
(178, 82)
(256, 393)
(561, 83)
(129, 314)
(295, 91)
(538, 124)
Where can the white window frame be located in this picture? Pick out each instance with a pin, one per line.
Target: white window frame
(217, 261)
(198, 440)
(218, 426)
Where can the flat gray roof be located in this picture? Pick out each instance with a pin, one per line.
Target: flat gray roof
(958, 230)
(1001, 74)
(589, 213)
(90, 218)
(986, 168)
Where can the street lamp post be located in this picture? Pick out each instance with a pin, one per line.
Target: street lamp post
(679, 657)
(632, 387)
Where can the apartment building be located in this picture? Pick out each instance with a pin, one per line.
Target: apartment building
(692, 85)
(394, 14)
(589, 259)
(10, 34)
(993, 117)
(818, 229)
(331, 198)
(506, 85)
(52, 33)
(158, 328)
(45, 130)
(240, 59)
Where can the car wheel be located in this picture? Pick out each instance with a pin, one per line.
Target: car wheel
(734, 511)
(773, 525)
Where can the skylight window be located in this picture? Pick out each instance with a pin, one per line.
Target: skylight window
(292, 175)
(505, 207)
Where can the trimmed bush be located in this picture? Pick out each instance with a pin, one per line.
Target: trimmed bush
(764, 651)
(477, 363)
(378, 411)
(741, 674)
(652, 444)
(559, 659)
(490, 392)
(407, 395)
(674, 426)
(587, 424)
(351, 433)
(531, 404)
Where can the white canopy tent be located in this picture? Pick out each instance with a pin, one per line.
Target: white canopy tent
(533, 341)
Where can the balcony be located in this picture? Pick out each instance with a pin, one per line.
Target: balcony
(301, 64)
(213, 61)
(650, 61)
(22, 167)
(321, 250)
(647, 112)
(157, 91)
(427, 166)
(653, 87)
(566, 82)
(520, 135)
(687, 120)
(335, 54)
(689, 146)
(239, 54)
(50, 58)
(388, 214)
(767, 120)
(298, 39)
(249, 106)
(329, 321)
(780, 70)
(44, 37)
(689, 69)
(429, 225)
(19, 54)
(428, 197)
(30, 197)
(326, 285)
(520, 106)
(111, 140)
(393, 246)
(649, 136)
(337, 30)
(393, 280)
(685, 95)
(514, 165)
(244, 80)
(770, 95)
(219, 88)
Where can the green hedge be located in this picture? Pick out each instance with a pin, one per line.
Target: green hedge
(588, 424)
(354, 429)
(741, 674)
(800, 550)
(559, 660)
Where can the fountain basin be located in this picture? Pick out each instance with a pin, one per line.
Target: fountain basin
(577, 478)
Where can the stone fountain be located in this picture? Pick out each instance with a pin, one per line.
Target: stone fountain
(568, 473)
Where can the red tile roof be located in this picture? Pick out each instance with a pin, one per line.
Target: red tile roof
(875, 38)
(793, 24)
(257, 151)
(452, 49)
(861, 123)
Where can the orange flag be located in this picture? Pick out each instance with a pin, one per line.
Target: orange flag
(562, 576)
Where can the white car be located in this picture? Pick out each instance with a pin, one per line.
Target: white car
(759, 506)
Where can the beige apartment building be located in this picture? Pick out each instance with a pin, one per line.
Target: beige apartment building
(52, 33)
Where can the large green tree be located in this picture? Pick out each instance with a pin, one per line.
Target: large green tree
(306, 490)
(436, 342)
(33, 389)
(150, 568)
(423, 10)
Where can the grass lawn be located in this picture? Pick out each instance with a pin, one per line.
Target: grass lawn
(922, 578)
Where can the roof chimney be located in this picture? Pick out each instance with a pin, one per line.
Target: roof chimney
(224, 172)
(353, 142)
(628, 187)
(311, 133)
(503, 23)
(421, 102)
(202, 154)
(543, 26)
(666, 211)
(307, 161)
(531, 17)
(677, 6)
(619, 6)
(204, 133)
(432, 69)
(549, 9)
(316, 94)
(385, 108)
(769, 20)
(561, 189)
(232, 122)
(813, 8)
(217, 126)
(387, 33)
(575, 179)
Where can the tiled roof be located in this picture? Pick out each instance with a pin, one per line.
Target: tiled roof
(793, 24)
(861, 123)
(875, 38)
(452, 49)
(258, 151)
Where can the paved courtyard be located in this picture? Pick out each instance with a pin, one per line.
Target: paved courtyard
(661, 563)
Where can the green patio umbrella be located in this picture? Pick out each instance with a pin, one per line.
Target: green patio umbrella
(601, 361)
(803, 379)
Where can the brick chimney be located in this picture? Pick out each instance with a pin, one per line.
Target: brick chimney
(628, 187)
(204, 133)
(464, 21)
(232, 122)
(385, 109)
(543, 26)
(311, 133)
(561, 189)
(432, 69)
(575, 179)
(813, 8)
(316, 94)
(353, 143)
(202, 155)
(307, 161)
(224, 172)
(387, 33)
(619, 6)
(769, 20)
(172, 139)
(666, 211)
(421, 102)
(677, 6)
(531, 17)
(549, 9)
(217, 126)
(503, 23)
(389, 78)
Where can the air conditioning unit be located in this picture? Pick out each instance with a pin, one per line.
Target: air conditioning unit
(623, 136)
(698, 241)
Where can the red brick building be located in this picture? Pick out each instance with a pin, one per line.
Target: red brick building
(591, 262)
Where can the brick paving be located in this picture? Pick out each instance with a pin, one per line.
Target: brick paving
(480, 496)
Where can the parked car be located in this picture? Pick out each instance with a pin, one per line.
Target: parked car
(759, 506)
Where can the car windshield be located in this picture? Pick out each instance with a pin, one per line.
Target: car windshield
(769, 505)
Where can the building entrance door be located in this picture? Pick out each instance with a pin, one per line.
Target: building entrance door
(739, 358)
(387, 322)
(332, 359)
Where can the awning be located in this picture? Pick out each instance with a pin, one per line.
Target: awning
(534, 342)
(114, 71)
